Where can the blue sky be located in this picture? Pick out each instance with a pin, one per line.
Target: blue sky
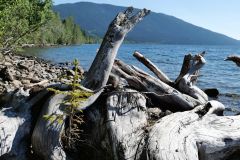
(221, 16)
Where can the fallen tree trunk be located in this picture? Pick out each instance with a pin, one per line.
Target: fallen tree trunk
(194, 135)
(187, 77)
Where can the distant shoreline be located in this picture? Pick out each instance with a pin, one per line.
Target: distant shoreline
(24, 46)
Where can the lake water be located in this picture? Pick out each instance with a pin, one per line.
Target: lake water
(217, 73)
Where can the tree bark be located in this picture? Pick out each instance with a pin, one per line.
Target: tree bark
(126, 120)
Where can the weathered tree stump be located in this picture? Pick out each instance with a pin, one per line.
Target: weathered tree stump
(96, 79)
(186, 83)
(126, 123)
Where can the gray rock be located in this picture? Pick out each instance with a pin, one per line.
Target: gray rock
(70, 72)
(25, 81)
(7, 64)
(154, 113)
(17, 83)
(1, 57)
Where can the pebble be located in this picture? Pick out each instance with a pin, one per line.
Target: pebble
(7, 64)
(25, 81)
(154, 113)
(16, 83)
(29, 70)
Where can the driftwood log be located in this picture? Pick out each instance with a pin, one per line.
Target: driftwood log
(17, 122)
(132, 115)
(153, 68)
(186, 83)
(15, 125)
(234, 58)
(100, 69)
(193, 135)
(144, 82)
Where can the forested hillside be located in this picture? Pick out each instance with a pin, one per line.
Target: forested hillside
(34, 22)
(57, 31)
(156, 28)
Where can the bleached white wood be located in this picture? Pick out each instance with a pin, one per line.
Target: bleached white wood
(15, 125)
(186, 83)
(46, 137)
(126, 119)
(162, 76)
(100, 69)
(194, 135)
(142, 81)
(16, 121)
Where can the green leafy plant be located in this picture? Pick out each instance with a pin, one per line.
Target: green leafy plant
(74, 116)
(18, 18)
(24, 22)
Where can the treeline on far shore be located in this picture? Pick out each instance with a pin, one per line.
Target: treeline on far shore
(59, 32)
(34, 23)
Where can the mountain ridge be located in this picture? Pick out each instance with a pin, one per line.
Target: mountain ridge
(155, 28)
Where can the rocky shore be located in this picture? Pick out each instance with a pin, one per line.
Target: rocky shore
(18, 71)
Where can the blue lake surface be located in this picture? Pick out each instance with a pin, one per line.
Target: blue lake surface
(217, 73)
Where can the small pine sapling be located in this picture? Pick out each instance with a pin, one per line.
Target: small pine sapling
(74, 117)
